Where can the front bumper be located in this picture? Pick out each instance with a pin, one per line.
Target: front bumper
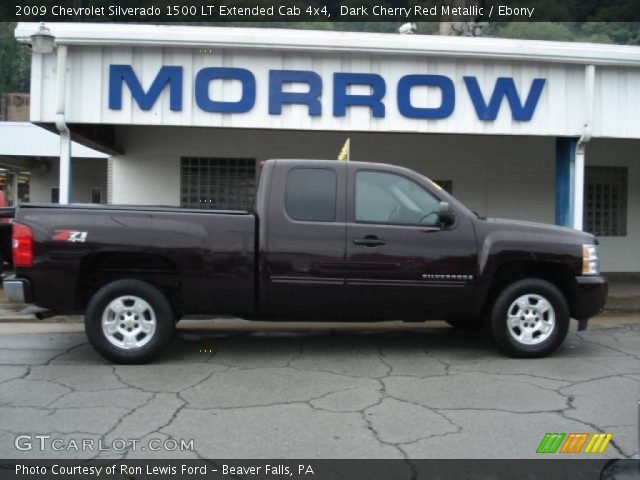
(591, 293)
(17, 289)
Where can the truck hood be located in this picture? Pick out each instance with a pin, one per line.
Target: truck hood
(567, 234)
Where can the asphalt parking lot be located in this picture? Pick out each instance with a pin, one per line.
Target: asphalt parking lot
(246, 390)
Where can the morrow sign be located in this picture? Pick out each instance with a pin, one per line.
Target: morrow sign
(487, 107)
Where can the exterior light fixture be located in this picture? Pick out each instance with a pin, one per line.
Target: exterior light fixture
(408, 28)
(43, 40)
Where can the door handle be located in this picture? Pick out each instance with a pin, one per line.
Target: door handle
(369, 241)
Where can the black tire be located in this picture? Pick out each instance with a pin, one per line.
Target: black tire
(498, 318)
(466, 324)
(159, 308)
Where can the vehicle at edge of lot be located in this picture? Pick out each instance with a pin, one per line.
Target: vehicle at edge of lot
(6, 219)
(328, 240)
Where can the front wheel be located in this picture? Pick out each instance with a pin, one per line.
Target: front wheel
(129, 321)
(530, 318)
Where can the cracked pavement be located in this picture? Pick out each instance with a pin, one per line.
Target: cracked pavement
(317, 391)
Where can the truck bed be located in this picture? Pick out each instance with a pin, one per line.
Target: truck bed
(206, 255)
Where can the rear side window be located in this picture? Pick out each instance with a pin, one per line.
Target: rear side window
(311, 194)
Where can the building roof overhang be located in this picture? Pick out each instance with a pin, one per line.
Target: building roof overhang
(153, 35)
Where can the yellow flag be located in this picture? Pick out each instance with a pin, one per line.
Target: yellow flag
(345, 153)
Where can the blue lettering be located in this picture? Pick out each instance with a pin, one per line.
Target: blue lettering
(172, 77)
(342, 99)
(206, 75)
(119, 74)
(505, 87)
(277, 97)
(445, 85)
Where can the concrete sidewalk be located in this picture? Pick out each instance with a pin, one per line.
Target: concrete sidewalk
(15, 312)
(624, 292)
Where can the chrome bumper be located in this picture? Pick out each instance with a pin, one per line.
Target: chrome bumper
(17, 290)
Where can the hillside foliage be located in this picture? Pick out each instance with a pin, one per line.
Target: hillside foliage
(15, 58)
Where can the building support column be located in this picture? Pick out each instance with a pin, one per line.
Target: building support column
(570, 161)
(63, 129)
(581, 146)
(64, 182)
(566, 181)
(578, 186)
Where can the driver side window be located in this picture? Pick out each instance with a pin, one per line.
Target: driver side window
(383, 197)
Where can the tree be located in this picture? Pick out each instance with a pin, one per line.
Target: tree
(15, 62)
(531, 31)
(622, 33)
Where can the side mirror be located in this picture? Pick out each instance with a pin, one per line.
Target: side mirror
(445, 214)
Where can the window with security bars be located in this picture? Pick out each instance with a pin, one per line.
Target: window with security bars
(217, 183)
(605, 201)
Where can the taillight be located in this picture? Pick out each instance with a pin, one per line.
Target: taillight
(22, 242)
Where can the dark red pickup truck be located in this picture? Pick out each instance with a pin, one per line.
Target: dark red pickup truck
(328, 240)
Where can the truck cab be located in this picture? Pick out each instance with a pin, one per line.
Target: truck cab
(363, 240)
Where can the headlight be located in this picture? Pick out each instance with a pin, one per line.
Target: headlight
(590, 260)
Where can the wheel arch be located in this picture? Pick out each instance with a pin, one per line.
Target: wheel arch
(98, 269)
(559, 275)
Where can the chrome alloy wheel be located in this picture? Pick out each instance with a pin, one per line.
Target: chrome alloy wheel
(531, 319)
(128, 322)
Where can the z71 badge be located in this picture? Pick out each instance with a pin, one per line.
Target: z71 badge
(69, 236)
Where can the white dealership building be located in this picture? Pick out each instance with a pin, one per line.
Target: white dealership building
(542, 131)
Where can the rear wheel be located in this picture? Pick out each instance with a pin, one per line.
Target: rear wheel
(530, 318)
(129, 321)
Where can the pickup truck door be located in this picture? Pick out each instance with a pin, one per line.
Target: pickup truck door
(303, 254)
(401, 263)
